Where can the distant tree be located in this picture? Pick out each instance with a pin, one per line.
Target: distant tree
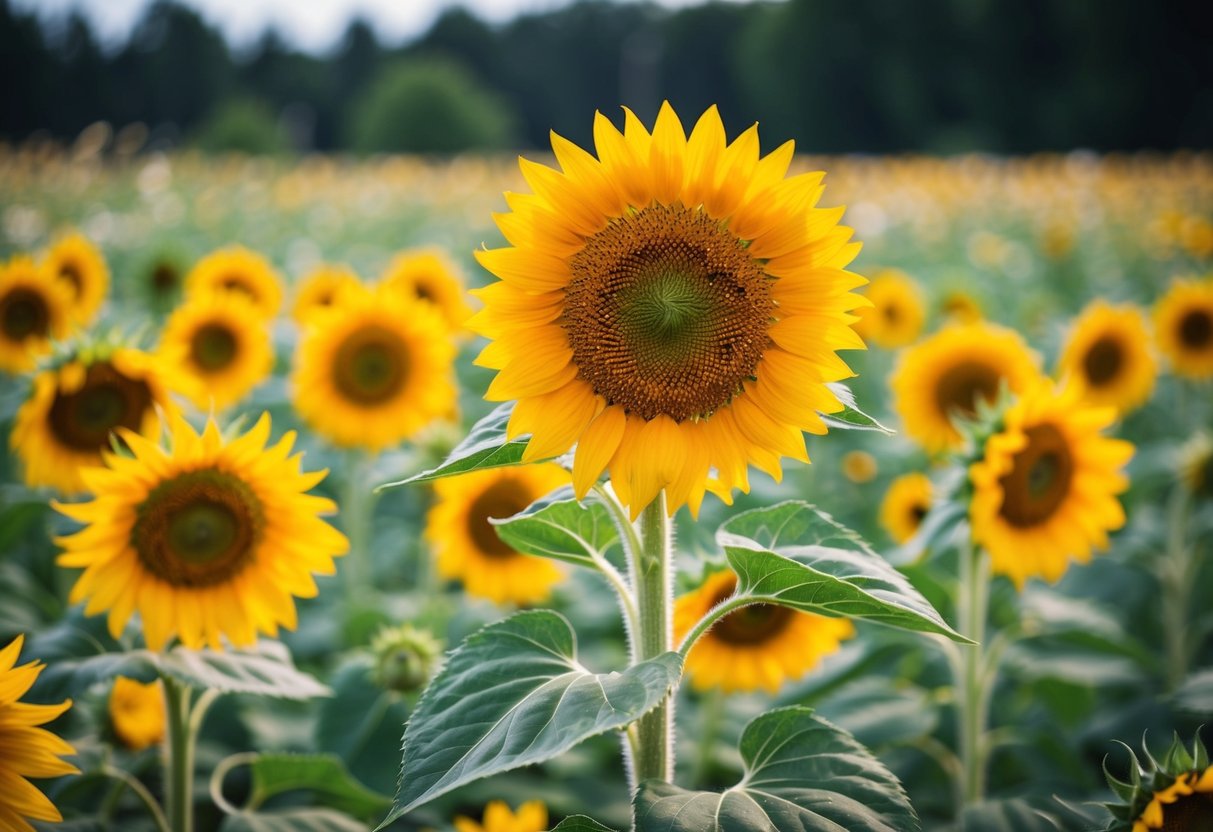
(242, 125)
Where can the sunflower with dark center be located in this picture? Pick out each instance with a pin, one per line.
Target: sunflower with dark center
(374, 369)
(905, 505)
(34, 311)
(221, 345)
(1174, 795)
(322, 288)
(428, 276)
(897, 313)
(466, 544)
(673, 307)
(237, 271)
(208, 540)
(946, 376)
(1183, 327)
(1108, 356)
(757, 647)
(80, 266)
(1045, 489)
(74, 411)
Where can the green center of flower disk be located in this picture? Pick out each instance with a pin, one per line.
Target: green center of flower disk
(667, 313)
(24, 314)
(1039, 480)
(1196, 329)
(1191, 813)
(755, 624)
(1103, 361)
(213, 347)
(371, 365)
(961, 386)
(85, 418)
(199, 528)
(504, 498)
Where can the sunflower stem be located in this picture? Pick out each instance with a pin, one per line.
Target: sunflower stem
(972, 600)
(652, 566)
(357, 509)
(1176, 574)
(179, 779)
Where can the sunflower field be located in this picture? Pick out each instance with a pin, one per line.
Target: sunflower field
(639, 485)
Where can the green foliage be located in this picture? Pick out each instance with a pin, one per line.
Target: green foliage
(850, 417)
(242, 125)
(559, 527)
(485, 446)
(580, 823)
(325, 776)
(292, 820)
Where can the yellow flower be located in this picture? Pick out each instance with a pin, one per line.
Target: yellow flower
(961, 307)
(947, 374)
(905, 506)
(896, 315)
(74, 410)
(240, 271)
(429, 276)
(34, 310)
(466, 544)
(1045, 488)
(81, 267)
(321, 289)
(531, 816)
(1187, 804)
(137, 712)
(220, 344)
(756, 647)
(673, 306)
(1107, 357)
(374, 370)
(25, 749)
(210, 538)
(859, 466)
(1183, 325)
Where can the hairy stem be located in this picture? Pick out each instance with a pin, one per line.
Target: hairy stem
(653, 567)
(973, 703)
(179, 778)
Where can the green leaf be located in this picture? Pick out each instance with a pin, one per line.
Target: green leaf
(796, 556)
(580, 823)
(511, 695)
(1195, 695)
(850, 417)
(559, 527)
(1013, 815)
(292, 820)
(322, 774)
(265, 669)
(801, 773)
(484, 447)
(360, 723)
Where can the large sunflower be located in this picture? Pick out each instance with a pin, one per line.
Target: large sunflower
(1108, 358)
(947, 374)
(756, 647)
(531, 816)
(1183, 325)
(77, 262)
(1044, 491)
(240, 271)
(73, 411)
(25, 749)
(374, 370)
(34, 310)
(221, 344)
(429, 276)
(322, 288)
(210, 538)
(673, 306)
(466, 544)
(905, 506)
(897, 312)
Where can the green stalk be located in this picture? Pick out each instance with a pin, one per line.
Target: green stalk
(357, 506)
(1177, 574)
(179, 778)
(973, 703)
(653, 578)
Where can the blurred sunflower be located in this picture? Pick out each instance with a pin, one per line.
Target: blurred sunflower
(897, 313)
(25, 749)
(34, 310)
(1187, 804)
(905, 505)
(466, 544)
(672, 307)
(756, 647)
(322, 288)
(1175, 795)
(531, 816)
(137, 712)
(1045, 488)
(961, 307)
(1108, 356)
(429, 276)
(220, 343)
(950, 372)
(374, 370)
(74, 410)
(211, 538)
(81, 267)
(1183, 325)
(859, 466)
(241, 271)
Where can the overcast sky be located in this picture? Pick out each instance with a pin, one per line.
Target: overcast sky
(314, 25)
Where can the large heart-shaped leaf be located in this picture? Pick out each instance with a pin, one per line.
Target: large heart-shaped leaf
(801, 773)
(292, 820)
(486, 446)
(559, 527)
(322, 774)
(513, 694)
(796, 556)
(850, 417)
(266, 669)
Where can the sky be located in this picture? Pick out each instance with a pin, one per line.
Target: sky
(312, 25)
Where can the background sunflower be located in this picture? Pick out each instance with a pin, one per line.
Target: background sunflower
(1108, 356)
(897, 313)
(1183, 325)
(74, 260)
(905, 505)
(429, 276)
(220, 345)
(238, 270)
(34, 311)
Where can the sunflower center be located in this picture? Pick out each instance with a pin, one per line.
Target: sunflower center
(199, 528)
(1039, 480)
(164, 277)
(667, 313)
(422, 292)
(213, 347)
(24, 314)
(503, 499)
(891, 313)
(1191, 813)
(107, 400)
(236, 283)
(918, 513)
(754, 624)
(1103, 361)
(371, 365)
(71, 273)
(1196, 329)
(961, 386)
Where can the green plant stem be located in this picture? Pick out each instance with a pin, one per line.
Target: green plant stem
(179, 778)
(972, 704)
(652, 576)
(711, 713)
(357, 507)
(1177, 574)
(124, 780)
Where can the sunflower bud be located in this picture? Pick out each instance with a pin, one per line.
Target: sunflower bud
(405, 657)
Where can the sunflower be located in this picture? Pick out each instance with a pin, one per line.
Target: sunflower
(531, 816)
(374, 371)
(1108, 357)
(961, 307)
(1187, 804)
(1183, 325)
(429, 276)
(81, 267)
(466, 544)
(759, 646)
(1045, 488)
(897, 312)
(905, 506)
(221, 344)
(74, 410)
(137, 712)
(34, 310)
(25, 749)
(673, 307)
(950, 372)
(211, 538)
(859, 466)
(321, 289)
(240, 271)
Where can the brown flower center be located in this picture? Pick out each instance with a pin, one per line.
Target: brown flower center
(918, 513)
(1196, 329)
(754, 624)
(503, 498)
(70, 272)
(1103, 361)
(667, 313)
(106, 401)
(1039, 480)
(24, 313)
(960, 387)
(1191, 813)
(240, 285)
(164, 277)
(371, 365)
(213, 347)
